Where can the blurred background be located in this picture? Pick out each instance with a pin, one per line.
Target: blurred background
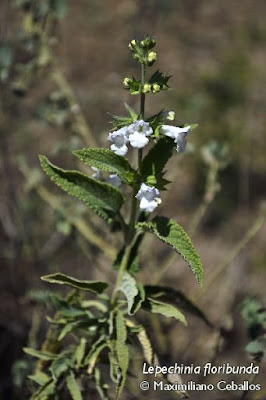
(62, 65)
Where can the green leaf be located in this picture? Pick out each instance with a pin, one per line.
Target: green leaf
(80, 352)
(107, 160)
(257, 347)
(129, 287)
(73, 387)
(60, 365)
(138, 300)
(155, 161)
(173, 234)
(121, 352)
(167, 310)
(100, 386)
(176, 298)
(40, 378)
(94, 353)
(45, 392)
(41, 355)
(104, 199)
(133, 264)
(69, 327)
(62, 279)
(131, 112)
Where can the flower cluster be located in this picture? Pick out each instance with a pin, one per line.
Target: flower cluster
(137, 134)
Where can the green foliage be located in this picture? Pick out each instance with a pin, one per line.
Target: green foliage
(129, 287)
(62, 279)
(107, 160)
(73, 387)
(121, 352)
(160, 79)
(171, 233)
(41, 355)
(104, 199)
(167, 310)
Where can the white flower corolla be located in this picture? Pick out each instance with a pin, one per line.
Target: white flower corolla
(119, 140)
(97, 173)
(149, 197)
(114, 180)
(138, 133)
(178, 134)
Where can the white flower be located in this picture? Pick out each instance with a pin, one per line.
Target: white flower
(178, 134)
(114, 180)
(138, 133)
(149, 197)
(97, 174)
(119, 139)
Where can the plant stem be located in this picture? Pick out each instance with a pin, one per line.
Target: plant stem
(142, 110)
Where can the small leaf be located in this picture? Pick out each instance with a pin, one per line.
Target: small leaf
(104, 199)
(40, 378)
(41, 355)
(173, 234)
(60, 365)
(100, 386)
(257, 347)
(94, 353)
(131, 112)
(107, 160)
(45, 392)
(133, 263)
(121, 352)
(62, 279)
(138, 300)
(129, 288)
(167, 310)
(73, 387)
(176, 298)
(80, 352)
(69, 327)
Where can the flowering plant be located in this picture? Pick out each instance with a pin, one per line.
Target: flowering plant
(87, 334)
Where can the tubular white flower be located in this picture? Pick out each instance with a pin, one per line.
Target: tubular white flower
(149, 197)
(114, 180)
(138, 133)
(119, 139)
(178, 134)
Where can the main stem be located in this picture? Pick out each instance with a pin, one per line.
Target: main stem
(130, 239)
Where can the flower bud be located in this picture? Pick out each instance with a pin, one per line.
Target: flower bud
(171, 115)
(152, 56)
(126, 82)
(156, 88)
(146, 88)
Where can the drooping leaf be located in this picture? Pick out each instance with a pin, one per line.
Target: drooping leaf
(100, 386)
(146, 346)
(45, 392)
(155, 161)
(167, 310)
(73, 387)
(107, 160)
(41, 355)
(138, 300)
(176, 298)
(173, 234)
(104, 199)
(40, 378)
(69, 327)
(91, 358)
(129, 288)
(121, 352)
(62, 279)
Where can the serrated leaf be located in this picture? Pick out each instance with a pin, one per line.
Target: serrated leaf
(121, 352)
(155, 161)
(80, 352)
(62, 279)
(177, 298)
(167, 310)
(60, 365)
(40, 378)
(173, 234)
(73, 387)
(107, 160)
(104, 199)
(129, 287)
(41, 355)
(146, 346)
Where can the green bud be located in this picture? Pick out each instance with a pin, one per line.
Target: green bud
(171, 115)
(146, 88)
(156, 88)
(152, 56)
(126, 82)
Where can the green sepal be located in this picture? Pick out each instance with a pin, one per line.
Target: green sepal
(62, 279)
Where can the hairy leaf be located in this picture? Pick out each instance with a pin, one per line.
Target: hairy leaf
(177, 298)
(94, 353)
(129, 288)
(155, 161)
(121, 352)
(80, 351)
(167, 310)
(107, 160)
(41, 355)
(73, 387)
(62, 279)
(104, 199)
(173, 234)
